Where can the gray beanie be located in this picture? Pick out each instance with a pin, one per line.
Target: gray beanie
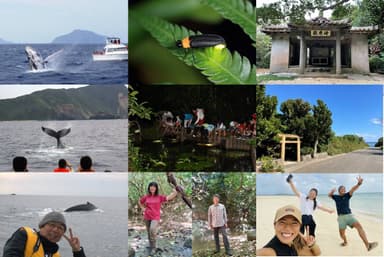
(53, 217)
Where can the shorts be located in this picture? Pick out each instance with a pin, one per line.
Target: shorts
(345, 220)
(307, 220)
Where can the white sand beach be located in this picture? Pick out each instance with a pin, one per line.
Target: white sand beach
(327, 232)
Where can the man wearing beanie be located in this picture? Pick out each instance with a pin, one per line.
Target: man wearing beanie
(27, 242)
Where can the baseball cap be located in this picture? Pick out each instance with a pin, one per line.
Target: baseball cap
(288, 210)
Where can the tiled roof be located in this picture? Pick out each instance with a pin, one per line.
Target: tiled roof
(276, 28)
(321, 21)
(367, 29)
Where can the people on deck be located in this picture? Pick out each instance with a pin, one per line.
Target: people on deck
(345, 216)
(167, 119)
(151, 206)
(200, 117)
(19, 164)
(27, 242)
(63, 166)
(188, 120)
(210, 128)
(217, 221)
(221, 129)
(178, 122)
(288, 241)
(308, 204)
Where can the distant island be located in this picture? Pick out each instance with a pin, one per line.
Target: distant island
(90, 102)
(80, 37)
(4, 42)
(77, 36)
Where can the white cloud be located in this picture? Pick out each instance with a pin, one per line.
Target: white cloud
(376, 121)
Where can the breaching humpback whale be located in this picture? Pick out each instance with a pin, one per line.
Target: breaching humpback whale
(57, 134)
(36, 62)
(82, 207)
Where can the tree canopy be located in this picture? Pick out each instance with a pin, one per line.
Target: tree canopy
(312, 123)
(363, 13)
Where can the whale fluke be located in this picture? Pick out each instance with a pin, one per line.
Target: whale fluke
(82, 207)
(57, 134)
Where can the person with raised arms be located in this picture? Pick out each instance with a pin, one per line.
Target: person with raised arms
(345, 217)
(308, 204)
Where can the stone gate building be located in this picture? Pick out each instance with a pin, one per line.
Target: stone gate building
(319, 45)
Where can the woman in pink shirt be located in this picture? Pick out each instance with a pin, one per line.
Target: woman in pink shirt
(151, 205)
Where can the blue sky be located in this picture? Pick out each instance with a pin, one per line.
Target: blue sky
(356, 109)
(40, 21)
(275, 184)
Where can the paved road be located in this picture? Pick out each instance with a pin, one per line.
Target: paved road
(369, 160)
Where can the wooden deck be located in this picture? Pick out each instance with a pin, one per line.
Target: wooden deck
(228, 142)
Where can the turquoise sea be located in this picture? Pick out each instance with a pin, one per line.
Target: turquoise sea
(370, 204)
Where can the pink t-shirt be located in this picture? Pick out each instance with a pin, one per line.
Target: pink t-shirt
(152, 206)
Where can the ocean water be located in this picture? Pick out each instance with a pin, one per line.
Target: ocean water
(74, 65)
(105, 141)
(370, 204)
(102, 232)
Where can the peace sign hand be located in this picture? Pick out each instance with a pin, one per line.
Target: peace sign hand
(74, 242)
(309, 240)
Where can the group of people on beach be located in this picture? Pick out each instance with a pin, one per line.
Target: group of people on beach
(196, 119)
(20, 164)
(295, 228)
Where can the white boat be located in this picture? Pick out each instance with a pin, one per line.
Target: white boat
(114, 50)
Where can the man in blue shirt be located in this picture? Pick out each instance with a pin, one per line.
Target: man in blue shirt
(345, 217)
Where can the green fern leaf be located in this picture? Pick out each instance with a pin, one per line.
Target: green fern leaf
(240, 12)
(219, 65)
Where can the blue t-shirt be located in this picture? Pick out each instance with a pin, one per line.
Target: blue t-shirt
(342, 203)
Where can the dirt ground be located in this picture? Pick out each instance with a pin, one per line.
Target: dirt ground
(372, 78)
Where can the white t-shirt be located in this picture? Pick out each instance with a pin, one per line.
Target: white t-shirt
(306, 205)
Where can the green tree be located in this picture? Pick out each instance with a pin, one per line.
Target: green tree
(373, 11)
(311, 123)
(268, 124)
(269, 14)
(322, 125)
(136, 109)
(295, 116)
(296, 10)
(379, 142)
(237, 192)
(263, 50)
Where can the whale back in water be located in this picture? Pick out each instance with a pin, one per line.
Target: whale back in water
(36, 61)
(57, 134)
(82, 207)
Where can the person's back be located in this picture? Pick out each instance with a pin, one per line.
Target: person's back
(63, 166)
(20, 164)
(86, 164)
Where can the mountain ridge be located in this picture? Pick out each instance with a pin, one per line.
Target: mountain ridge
(89, 102)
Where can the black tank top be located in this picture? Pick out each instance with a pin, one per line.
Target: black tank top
(280, 248)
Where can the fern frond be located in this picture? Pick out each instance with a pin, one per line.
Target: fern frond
(240, 12)
(219, 65)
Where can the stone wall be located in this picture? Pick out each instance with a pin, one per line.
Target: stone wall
(359, 53)
(279, 53)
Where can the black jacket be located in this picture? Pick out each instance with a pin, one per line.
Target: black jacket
(15, 245)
